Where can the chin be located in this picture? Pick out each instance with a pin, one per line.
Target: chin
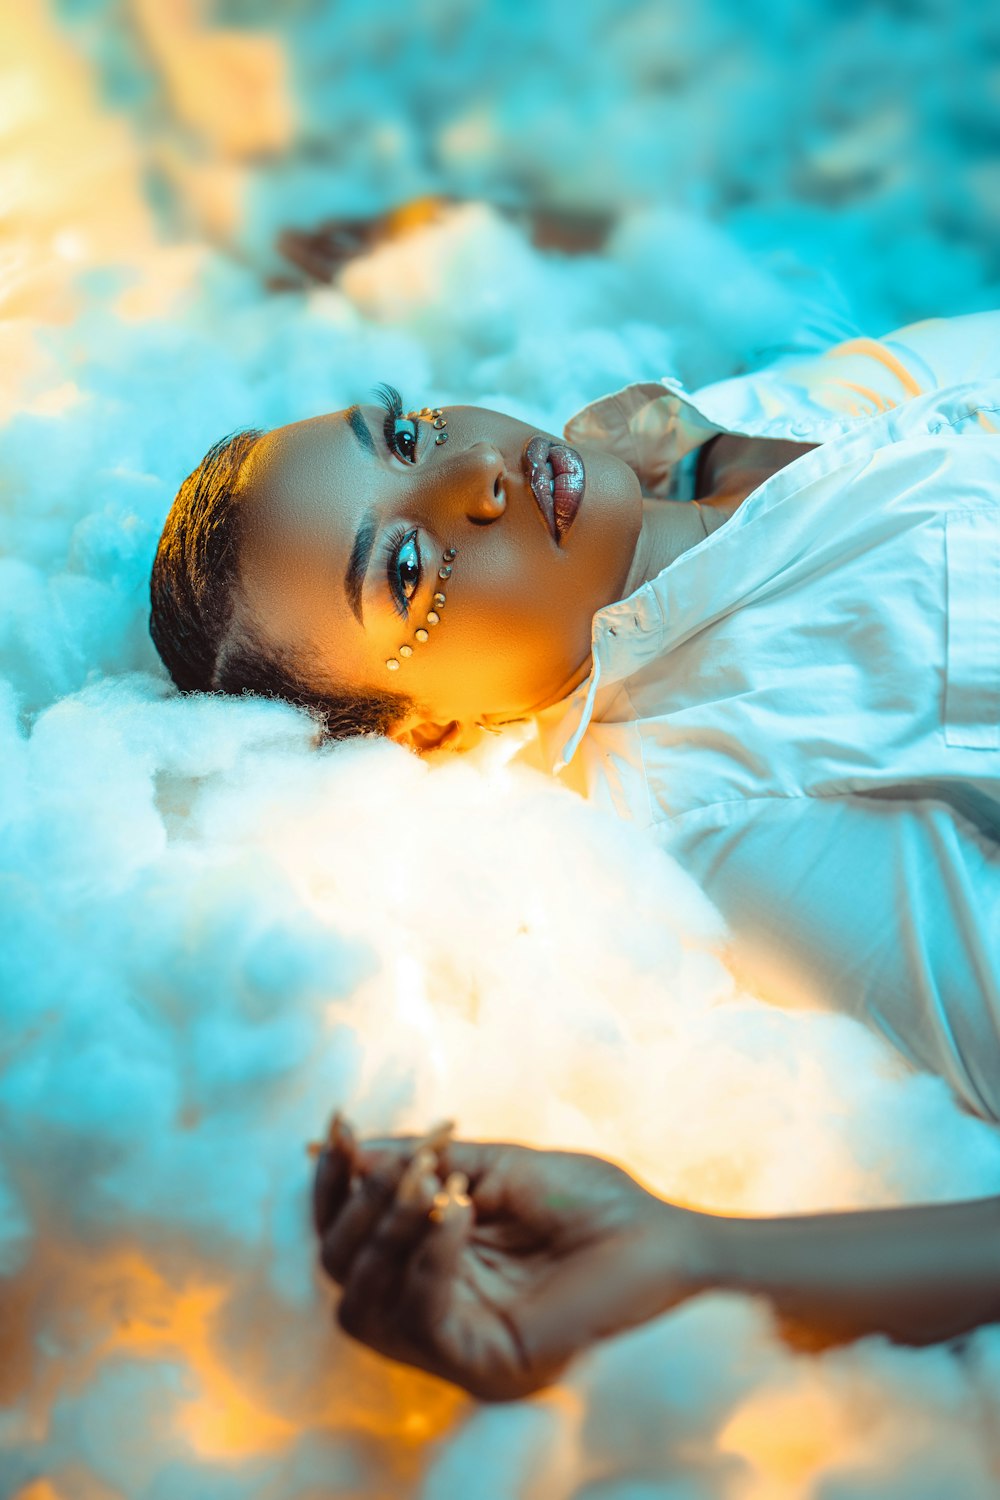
(610, 512)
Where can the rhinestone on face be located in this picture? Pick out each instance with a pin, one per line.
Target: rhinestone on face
(432, 617)
(392, 664)
(449, 553)
(421, 635)
(406, 650)
(439, 600)
(439, 423)
(445, 572)
(442, 437)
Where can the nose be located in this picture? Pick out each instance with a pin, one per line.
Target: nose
(478, 481)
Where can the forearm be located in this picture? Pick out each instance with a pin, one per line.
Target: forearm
(916, 1274)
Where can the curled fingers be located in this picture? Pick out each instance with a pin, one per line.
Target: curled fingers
(401, 1281)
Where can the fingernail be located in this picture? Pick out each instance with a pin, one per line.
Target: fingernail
(337, 1135)
(412, 1184)
(457, 1186)
(450, 1198)
(438, 1137)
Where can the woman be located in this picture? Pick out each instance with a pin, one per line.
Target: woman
(793, 681)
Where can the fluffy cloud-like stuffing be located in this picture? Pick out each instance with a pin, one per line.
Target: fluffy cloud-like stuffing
(213, 932)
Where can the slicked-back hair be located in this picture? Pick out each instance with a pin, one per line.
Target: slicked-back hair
(192, 601)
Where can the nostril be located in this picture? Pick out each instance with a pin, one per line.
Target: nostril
(497, 487)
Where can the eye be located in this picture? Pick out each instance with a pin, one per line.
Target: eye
(403, 569)
(401, 434)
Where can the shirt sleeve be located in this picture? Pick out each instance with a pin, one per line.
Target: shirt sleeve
(884, 908)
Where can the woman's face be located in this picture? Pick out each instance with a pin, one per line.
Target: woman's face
(365, 495)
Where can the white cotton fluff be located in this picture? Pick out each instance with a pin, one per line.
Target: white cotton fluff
(213, 933)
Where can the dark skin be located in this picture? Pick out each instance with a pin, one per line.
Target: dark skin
(546, 1252)
(497, 1293)
(514, 636)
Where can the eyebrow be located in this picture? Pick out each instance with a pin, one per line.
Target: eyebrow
(357, 566)
(358, 425)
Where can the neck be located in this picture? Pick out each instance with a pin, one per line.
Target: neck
(669, 527)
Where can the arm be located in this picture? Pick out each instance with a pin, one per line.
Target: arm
(526, 1258)
(916, 1274)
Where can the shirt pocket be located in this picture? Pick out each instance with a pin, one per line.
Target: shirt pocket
(972, 686)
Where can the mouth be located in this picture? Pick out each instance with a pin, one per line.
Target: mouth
(557, 479)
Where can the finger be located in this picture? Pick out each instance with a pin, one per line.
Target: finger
(429, 1278)
(455, 1193)
(373, 1307)
(485, 1164)
(371, 1196)
(336, 1160)
(436, 1139)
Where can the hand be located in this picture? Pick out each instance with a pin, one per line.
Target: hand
(500, 1285)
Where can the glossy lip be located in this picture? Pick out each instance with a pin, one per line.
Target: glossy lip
(559, 500)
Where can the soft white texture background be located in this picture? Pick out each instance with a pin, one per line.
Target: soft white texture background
(213, 933)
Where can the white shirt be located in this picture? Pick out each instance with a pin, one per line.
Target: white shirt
(804, 708)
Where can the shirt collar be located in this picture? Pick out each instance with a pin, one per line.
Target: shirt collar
(653, 426)
(650, 425)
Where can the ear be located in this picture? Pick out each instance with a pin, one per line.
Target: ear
(427, 734)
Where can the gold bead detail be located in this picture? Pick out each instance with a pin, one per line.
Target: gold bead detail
(432, 617)
(421, 634)
(392, 664)
(439, 600)
(406, 650)
(445, 572)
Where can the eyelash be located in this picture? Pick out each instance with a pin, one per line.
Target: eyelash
(390, 398)
(397, 539)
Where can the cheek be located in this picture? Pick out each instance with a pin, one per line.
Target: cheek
(522, 623)
(507, 592)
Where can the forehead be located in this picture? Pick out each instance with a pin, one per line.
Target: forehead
(305, 488)
(304, 469)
